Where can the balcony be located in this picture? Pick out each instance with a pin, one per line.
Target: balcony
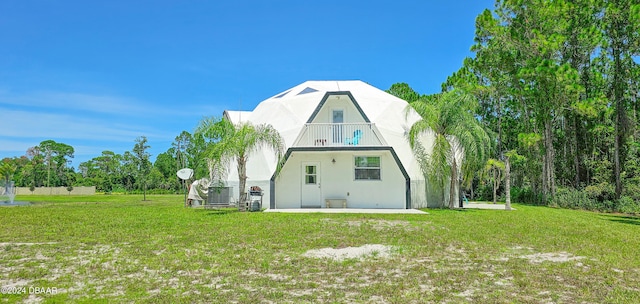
(340, 135)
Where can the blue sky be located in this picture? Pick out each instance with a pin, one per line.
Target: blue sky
(97, 74)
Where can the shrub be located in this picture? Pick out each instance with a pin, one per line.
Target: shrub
(632, 189)
(601, 192)
(526, 196)
(573, 199)
(607, 206)
(628, 205)
(484, 192)
(582, 199)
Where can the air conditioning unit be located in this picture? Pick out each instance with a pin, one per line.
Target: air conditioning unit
(219, 196)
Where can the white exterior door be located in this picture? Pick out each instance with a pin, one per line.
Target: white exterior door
(311, 192)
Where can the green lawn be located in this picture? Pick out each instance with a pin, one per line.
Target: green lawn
(121, 249)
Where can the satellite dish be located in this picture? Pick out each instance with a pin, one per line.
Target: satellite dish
(185, 174)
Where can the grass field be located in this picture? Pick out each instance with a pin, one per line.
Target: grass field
(121, 249)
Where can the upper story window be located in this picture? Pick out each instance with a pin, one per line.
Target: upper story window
(337, 116)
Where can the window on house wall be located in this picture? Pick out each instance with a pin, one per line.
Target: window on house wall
(307, 90)
(367, 167)
(282, 95)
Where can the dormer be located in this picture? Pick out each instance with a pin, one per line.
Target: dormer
(338, 107)
(338, 120)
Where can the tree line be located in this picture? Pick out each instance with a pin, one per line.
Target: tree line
(48, 165)
(556, 84)
(213, 146)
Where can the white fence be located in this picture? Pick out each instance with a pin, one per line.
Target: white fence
(56, 191)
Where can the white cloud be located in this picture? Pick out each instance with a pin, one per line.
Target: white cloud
(25, 124)
(104, 104)
(92, 123)
(74, 102)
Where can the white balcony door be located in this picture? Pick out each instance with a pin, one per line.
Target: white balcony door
(337, 117)
(311, 192)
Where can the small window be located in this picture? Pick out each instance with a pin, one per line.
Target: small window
(282, 95)
(310, 175)
(367, 168)
(307, 90)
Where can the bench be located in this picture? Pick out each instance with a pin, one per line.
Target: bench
(336, 203)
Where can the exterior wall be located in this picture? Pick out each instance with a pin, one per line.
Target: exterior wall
(56, 191)
(351, 113)
(418, 194)
(263, 184)
(337, 181)
(260, 167)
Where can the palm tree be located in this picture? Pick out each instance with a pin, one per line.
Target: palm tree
(492, 172)
(6, 172)
(509, 156)
(449, 116)
(228, 141)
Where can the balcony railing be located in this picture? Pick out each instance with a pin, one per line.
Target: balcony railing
(340, 134)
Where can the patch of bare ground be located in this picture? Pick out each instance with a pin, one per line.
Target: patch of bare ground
(529, 254)
(556, 257)
(25, 244)
(476, 278)
(375, 224)
(340, 254)
(33, 299)
(100, 269)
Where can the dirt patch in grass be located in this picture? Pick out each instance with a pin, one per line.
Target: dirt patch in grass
(530, 255)
(341, 254)
(25, 244)
(375, 224)
(557, 257)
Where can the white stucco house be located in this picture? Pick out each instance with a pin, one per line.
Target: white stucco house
(346, 146)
